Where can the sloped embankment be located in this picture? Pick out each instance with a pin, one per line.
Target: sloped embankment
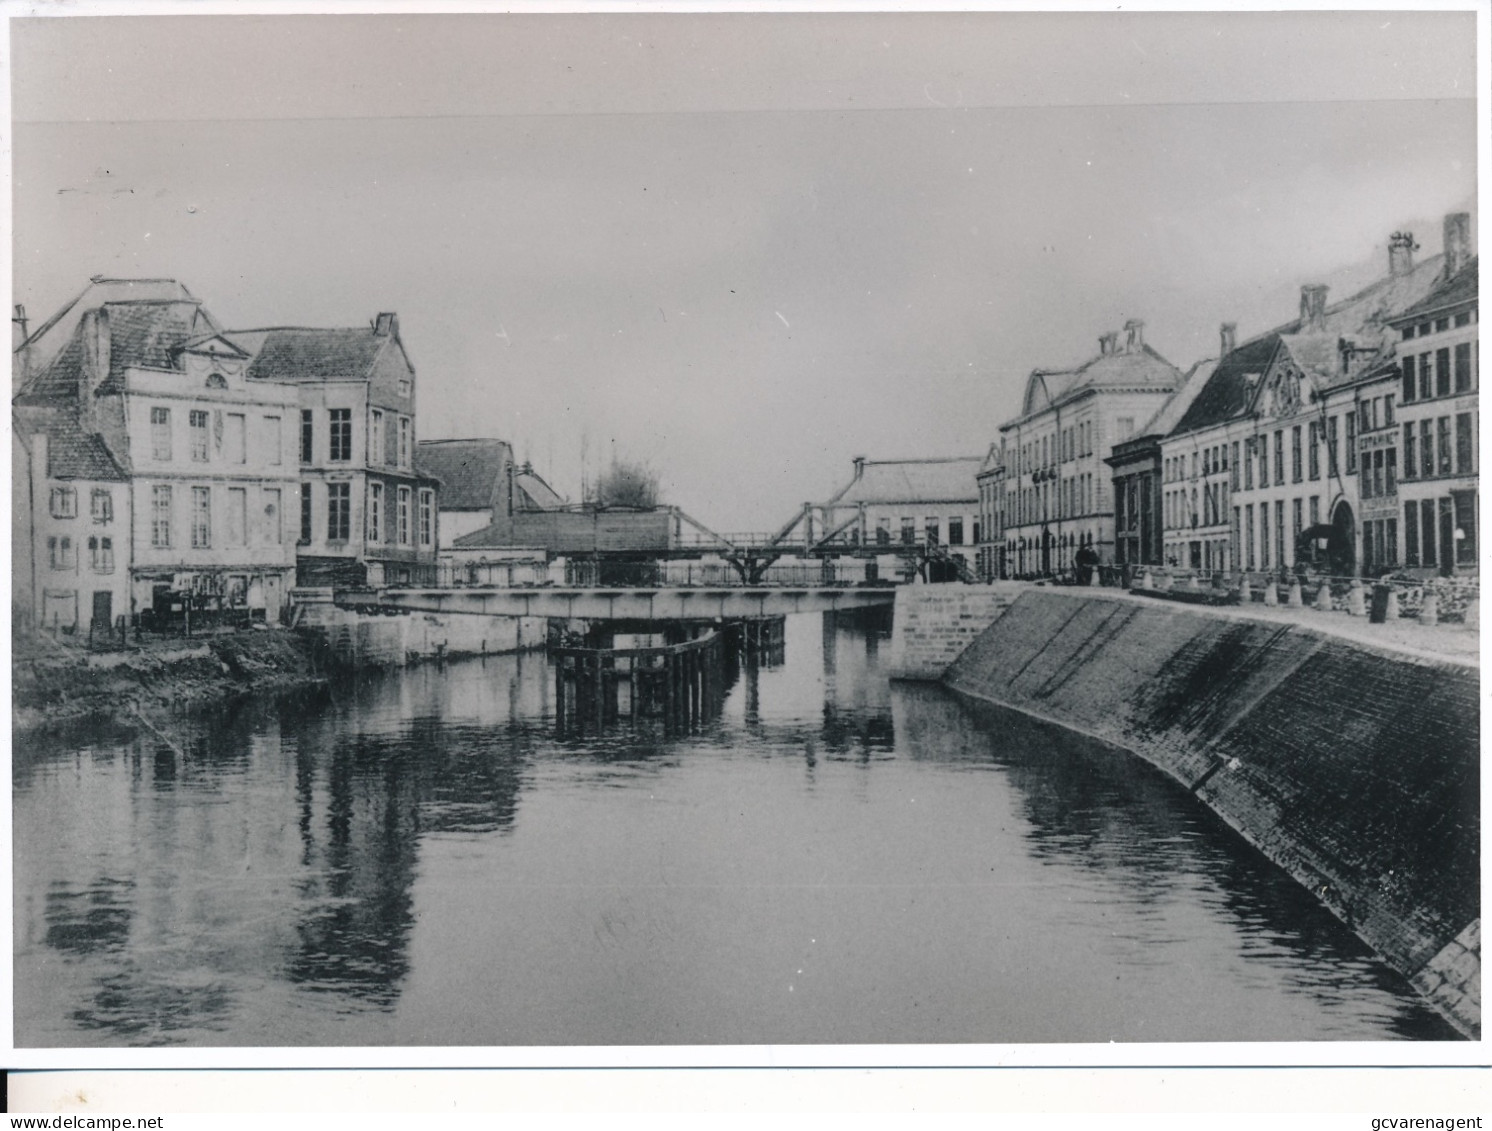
(1354, 768)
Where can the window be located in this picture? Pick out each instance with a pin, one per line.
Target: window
(1408, 369)
(1234, 472)
(427, 518)
(1314, 447)
(305, 514)
(376, 453)
(1426, 378)
(883, 532)
(1443, 445)
(375, 510)
(403, 516)
(1411, 534)
(1279, 532)
(233, 440)
(160, 434)
(101, 554)
(1279, 456)
(1295, 469)
(1390, 471)
(1263, 535)
(64, 502)
(160, 517)
(1427, 532)
(197, 432)
(338, 512)
(60, 552)
(908, 531)
(1411, 465)
(1351, 443)
(405, 432)
(1248, 465)
(1442, 325)
(271, 445)
(956, 532)
(1463, 367)
(1248, 529)
(1315, 509)
(1297, 521)
(1365, 416)
(102, 505)
(307, 435)
(930, 528)
(340, 444)
(1464, 443)
(1388, 411)
(274, 525)
(201, 518)
(405, 386)
(238, 516)
(1443, 373)
(1332, 464)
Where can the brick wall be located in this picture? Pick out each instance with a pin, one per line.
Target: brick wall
(1354, 768)
(934, 624)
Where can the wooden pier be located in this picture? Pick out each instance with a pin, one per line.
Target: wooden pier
(682, 684)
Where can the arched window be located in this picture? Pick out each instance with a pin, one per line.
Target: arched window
(217, 381)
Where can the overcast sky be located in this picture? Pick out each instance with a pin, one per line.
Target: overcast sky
(749, 247)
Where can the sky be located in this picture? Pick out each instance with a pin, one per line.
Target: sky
(743, 248)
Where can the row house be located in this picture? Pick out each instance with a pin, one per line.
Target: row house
(990, 540)
(482, 487)
(365, 512)
(1439, 422)
(1294, 434)
(156, 470)
(1057, 488)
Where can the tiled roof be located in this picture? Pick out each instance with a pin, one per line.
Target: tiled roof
(913, 481)
(1461, 287)
(469, 471)
(297, 354)
(1364, 317)
(48, 339)
(1178, 403)
(72, 453)
(144, 333)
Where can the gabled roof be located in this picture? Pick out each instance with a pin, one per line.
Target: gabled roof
(1459, 288)
(1141, 368)
(470, 471)
(145, 333)
(294, 353)
(1364, 316)
(912, 481)
(1177, 404)
(72, 453)
(48, 339)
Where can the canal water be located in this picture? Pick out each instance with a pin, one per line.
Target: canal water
(419, 859)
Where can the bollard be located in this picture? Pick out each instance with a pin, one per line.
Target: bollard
(1147, 579)
(1391, 606)
(1323, 596)
(1245, 594)
(1271, 593)
(1354, 599)
(1429, 610)
(1474, 614)
(1187, 584)
(1294, 600)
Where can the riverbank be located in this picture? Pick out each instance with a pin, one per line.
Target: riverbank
(57, 685)
(1354, 766)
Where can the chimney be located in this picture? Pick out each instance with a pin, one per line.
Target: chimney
(1401, 249)
(95, 367)
(1227, 338)
(1108, 343)
(1457, 242)
(386, 325)
(1134, 331)
(859, 466)
(1312, 308)
(1346, 355)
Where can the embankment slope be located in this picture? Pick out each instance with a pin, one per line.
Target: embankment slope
(1355, 768)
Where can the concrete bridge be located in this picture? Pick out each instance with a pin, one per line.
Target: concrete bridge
(680, 603)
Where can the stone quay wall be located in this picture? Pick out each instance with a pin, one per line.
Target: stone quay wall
(362, 640)
(1353, 767)
(933, 625)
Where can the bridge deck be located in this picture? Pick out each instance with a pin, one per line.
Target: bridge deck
(662, 603)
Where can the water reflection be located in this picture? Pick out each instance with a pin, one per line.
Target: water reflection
(417, 858)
